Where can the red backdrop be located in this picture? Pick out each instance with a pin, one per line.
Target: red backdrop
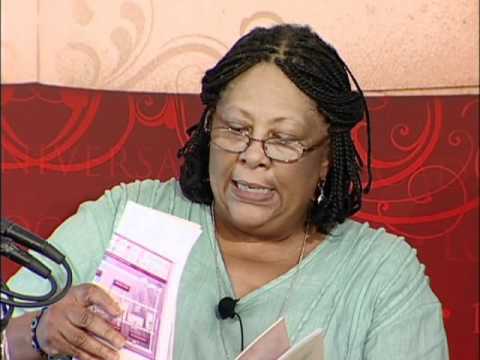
(63, 146)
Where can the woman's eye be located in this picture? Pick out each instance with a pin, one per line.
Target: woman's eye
(238, 129)
(284, 137)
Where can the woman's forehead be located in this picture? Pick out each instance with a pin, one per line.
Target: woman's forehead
(233, 112)
(264, 91)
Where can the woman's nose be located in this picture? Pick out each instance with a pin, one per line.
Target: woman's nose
(254, 155)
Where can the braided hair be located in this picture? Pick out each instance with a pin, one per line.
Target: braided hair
(318, 71)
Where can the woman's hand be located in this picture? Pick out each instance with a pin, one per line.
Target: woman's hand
(70, 327)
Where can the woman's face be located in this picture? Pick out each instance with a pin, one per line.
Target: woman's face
(252, 193)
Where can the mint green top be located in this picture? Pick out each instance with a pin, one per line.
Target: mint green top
(364, 287)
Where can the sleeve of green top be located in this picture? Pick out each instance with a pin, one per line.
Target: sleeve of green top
(84, 237)
(407, 323)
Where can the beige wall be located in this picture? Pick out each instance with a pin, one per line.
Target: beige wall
(392, 46)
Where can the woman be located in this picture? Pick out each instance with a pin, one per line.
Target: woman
(272, 175)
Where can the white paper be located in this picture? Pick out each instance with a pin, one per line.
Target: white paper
(142, 268)
(272, 343)
(309, 348)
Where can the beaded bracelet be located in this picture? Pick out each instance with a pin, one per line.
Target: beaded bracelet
(36, 346)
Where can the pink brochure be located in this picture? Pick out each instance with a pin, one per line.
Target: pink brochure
(142, 269)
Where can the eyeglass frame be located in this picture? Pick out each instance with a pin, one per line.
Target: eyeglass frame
(262, 141)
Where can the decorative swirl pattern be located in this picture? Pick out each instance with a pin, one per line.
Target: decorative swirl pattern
(82, 114)
(178, 55)
(82, 107)
(126, 36)
(415, 166)
(185, 57)
(426, 170)
(74, 56)
(155, 118)
(81, 12)
(260, 18)
(130, 50)
(129, 37)
(430, 163)
(175, 65)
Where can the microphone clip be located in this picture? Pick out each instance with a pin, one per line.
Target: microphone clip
(226, 307)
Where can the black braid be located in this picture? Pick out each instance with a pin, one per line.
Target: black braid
(194, 170)
(316, 69)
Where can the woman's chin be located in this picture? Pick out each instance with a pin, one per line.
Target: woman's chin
(248, 217)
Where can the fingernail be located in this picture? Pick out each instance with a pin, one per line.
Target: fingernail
(120, 342)
(121, 307)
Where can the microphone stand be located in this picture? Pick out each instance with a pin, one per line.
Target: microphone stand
(10, 235)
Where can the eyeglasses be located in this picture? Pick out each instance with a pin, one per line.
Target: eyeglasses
(237, 141)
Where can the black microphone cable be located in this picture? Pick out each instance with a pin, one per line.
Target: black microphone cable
(12, 233)
(29, 240)
(31, 303)
(12, 294)
(9, 249)
(241, 330)
(226, 309)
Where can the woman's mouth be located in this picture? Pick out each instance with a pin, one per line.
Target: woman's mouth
(252, 191)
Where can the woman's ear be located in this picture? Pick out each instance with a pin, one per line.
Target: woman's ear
(325, 161)
(324, 167)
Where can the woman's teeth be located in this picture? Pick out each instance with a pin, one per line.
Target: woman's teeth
(244, 187)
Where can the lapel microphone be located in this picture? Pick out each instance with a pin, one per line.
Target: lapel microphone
(226, 309)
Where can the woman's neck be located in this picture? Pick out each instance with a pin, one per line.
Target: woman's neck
(261, 247)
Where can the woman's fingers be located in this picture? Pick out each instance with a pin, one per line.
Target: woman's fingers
(58, 345)
(86, 319)
(70, 327)
(89, 294)
(81, 341)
